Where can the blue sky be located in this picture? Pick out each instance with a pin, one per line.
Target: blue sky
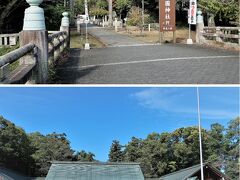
(93, 117)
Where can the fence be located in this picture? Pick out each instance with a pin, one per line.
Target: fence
(57, 42)
(8, 39)
(22, 72)
(38, 49)
(222, 34)
(27, 57)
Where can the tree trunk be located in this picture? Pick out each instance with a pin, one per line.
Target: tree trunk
(10, 7)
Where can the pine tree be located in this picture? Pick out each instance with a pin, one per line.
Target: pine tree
(116, 153)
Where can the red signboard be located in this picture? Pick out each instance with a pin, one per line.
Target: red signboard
(167, 19)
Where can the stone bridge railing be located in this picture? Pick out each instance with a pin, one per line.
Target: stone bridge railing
(38, 49)
(8, 39)
(222, 34)
(57, 42)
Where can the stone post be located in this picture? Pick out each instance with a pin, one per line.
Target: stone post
(149, 27)
(199, 28)
(116, 25)
(103, 22)
(218, 33)
(34, 31)
(78, 24)
(238, 36)
(65, 26)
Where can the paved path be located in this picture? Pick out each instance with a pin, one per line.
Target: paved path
(112, 39)
(151, 64)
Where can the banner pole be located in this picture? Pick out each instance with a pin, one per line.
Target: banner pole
(189, 32)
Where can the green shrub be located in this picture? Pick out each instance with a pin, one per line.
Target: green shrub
(134, 17)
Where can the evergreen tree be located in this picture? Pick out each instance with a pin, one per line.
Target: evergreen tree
(15, 148)
(116, 153)
(232, 149)
(84, 156)
(49, 148)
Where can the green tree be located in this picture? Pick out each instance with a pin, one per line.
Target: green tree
(122, 5)
(84, 156)
(116, 153)
(215, 144)
(133, 152)
(7, 10)
(15, 148)
(232, 149)
(49, 148)
(98, 8)
(221, 10)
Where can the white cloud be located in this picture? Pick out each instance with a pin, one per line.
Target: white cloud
(181, 101)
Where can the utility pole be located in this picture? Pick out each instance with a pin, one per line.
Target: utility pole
(200, 135)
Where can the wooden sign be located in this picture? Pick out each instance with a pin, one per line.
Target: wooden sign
(167, 19)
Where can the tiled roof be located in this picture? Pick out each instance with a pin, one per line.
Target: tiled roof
(184, 174)
(94, 171)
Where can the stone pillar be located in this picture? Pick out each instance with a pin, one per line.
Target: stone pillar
(239, 37)
(103, 22)
(34, 31)
(199, 28)
(65, 26)
(218, 33)
(78, 24)
(105, 18)
(110, 9)
(116, 25)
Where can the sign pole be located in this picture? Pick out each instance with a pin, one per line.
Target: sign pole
(192, 15)
(87, 45)
(174, 37)
(189, 32)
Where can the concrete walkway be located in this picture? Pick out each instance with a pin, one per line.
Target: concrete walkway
(153, 64)
(112, 39)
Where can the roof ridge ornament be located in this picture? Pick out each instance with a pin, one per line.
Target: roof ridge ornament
(34, 16)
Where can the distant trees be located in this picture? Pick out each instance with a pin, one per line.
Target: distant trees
(12, 14)
(15, 147)
(84, 156)
(7, 8)
(164, 153)
(232, 148)
(158, 154)
(96, 7)
(32, 153)
(222, 11)
(48, 148)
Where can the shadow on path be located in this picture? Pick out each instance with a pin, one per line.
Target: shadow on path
(68, 71)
